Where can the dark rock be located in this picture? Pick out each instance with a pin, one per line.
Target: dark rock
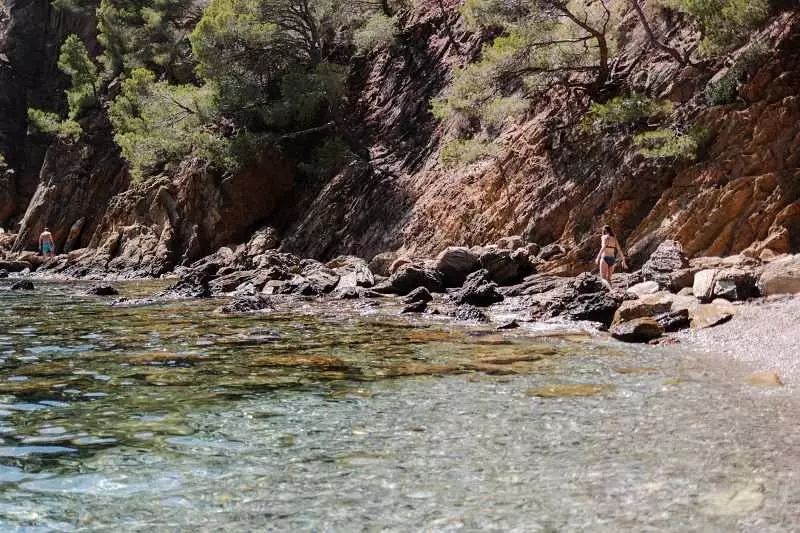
(470, 313)
(102, 290)
(229, 281)
(420, 294)
(3, 273)
(14, 266)
(512, 324)
(478, 290)
(22, 285)
(535, 284)
(674, 321)
(506, 267)
(552, 251)
(410, 276)
(383, 287)
(248, 304)
(667, 259)
(595, 307)
(642, 329)
(416, 307)
(321, 279)
(587, 283)
(511, 243)
(193, 284)
(456, 263)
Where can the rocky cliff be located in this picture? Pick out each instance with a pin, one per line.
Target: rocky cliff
(550, 181)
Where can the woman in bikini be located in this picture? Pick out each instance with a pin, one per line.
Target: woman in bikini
(610, 251)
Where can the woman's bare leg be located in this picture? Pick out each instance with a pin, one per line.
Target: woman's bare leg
(603, 270)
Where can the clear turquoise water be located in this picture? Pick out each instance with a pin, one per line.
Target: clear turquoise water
(321, 417)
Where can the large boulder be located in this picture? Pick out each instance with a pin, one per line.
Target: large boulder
(456, 263)
(647, 306)
(595, 307)
(730, 284)
(14, 266)
(321, 279)
(781, 276)
(644, 288)
(420, 294)
(667, 258)
(504, 266)
(552, 251)
(410, 276)
(470, 313)
(478, 290)
(379, 265)
(511, 243)
(353, 272)
(642, 329)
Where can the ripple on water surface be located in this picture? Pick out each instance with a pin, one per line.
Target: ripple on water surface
(343, 422)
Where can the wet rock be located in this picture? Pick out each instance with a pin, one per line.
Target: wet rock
(595, 307)
(765, 379)
(248, 304)
(478, 290)
(420, 294)
(667, 258)
(456, 263)
(353, 271)
(511, 324)
(102, 290)
(231, 281)
(470, 313)
(22, 285)
(730, 284)
(674, 320)
(3, 273)
(379, 265)
(15, 266)
(552, 251)
(642, 329)
(781, 276)
(346, 293)
(535, 284)
(418, 306)
(410, 276)
(644, 288)
(710, 315)
(587, 283)
(192, 284)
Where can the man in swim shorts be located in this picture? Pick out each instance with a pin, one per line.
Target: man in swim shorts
(46, 245)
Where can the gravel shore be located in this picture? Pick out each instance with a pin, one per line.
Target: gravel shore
(763, 334)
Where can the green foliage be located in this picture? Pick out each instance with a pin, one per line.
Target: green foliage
(671, 144)
(726, 23)
(726, 89)
(74, 61)
(146, 33)
(465, 151)
(327, 158)
(622, 110)
(542, 43)
(379, 31)
(158, 125)
(50, 123)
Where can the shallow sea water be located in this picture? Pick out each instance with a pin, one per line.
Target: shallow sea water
(172, 417)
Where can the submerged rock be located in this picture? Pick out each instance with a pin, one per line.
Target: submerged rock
(22, 285)
(248, 304)
(102, 290)
(470, 313)
(511, 324)
(420, 294)
(3, 273)
(418, 306)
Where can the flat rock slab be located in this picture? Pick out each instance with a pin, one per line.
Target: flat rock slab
(642, 329)
(710, 315)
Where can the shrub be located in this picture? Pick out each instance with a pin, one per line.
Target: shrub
(51, 123)
(626, 109)
(726, 89)
(378, 32)
(672, 144)
(465, 151)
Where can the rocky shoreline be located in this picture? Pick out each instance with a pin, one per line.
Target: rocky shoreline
(670, 292)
